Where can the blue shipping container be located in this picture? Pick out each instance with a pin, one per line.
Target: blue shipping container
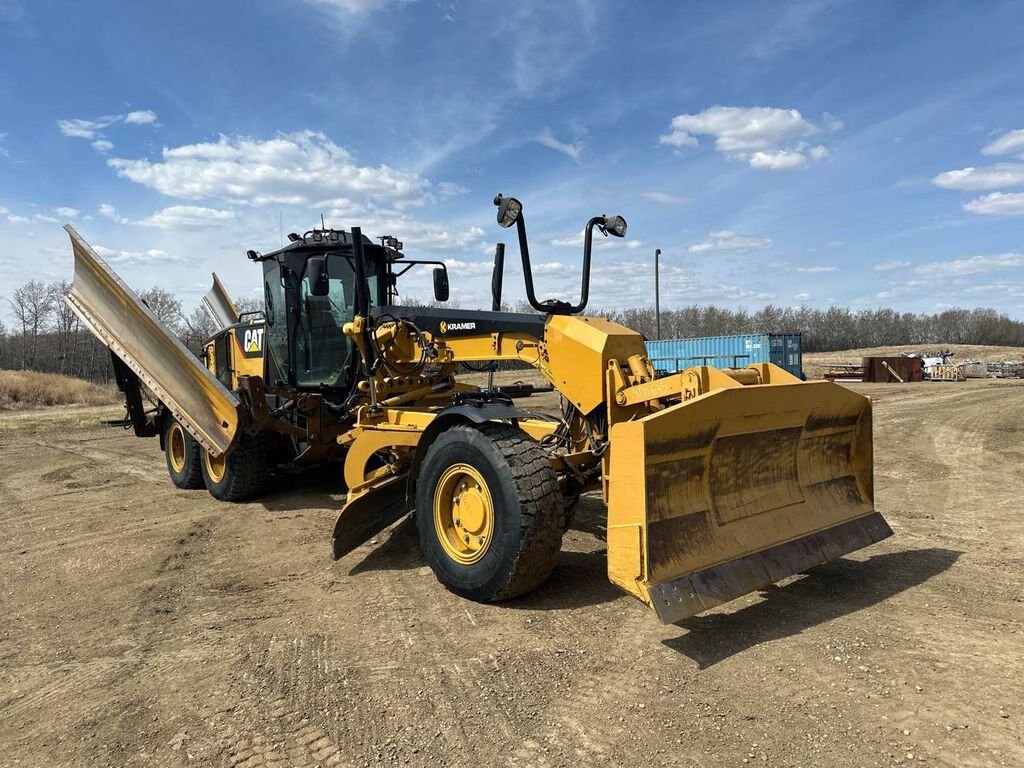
(782, 349)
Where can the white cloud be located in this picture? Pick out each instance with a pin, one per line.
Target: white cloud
(997, 204)
(304, 168)
(175, 217)
(187, 217)
(767, 138)
(67, 213)
(357, 7)
(92, 130)
(86, 129)
(780, 160)
(569, 241)
(802, 296)
(107, 211)
(885, 266)
(600, 241)
(987, 177)
(1012, 141)
(572, 150)
(140, 117)
(150, 256)
(664, 198)
(972, 265)
(816, 269)
(418, 234)
(451, 189)
(726, 240)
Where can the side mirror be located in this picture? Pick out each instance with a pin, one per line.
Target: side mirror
(316, 273)
(440, 284)
(509, 210)
(614, 226)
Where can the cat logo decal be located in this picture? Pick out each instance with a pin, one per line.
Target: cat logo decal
(253, 340)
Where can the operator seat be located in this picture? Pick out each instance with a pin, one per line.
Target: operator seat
(328, 345)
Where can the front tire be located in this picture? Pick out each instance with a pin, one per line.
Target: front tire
(184, 456)
(489, 512)
(241, 473)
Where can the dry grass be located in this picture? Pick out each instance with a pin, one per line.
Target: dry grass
(29, 389)
(817, 363)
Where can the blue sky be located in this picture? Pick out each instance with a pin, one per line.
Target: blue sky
(859, 153)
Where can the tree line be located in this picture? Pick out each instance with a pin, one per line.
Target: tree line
(835, 328)
(46, 335)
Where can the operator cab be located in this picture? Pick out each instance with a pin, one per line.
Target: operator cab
(310, 290)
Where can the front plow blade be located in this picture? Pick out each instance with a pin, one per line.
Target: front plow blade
(724, 494)
(123, 322)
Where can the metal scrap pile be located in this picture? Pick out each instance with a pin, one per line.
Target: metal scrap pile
(1008, 369)
(923, 366)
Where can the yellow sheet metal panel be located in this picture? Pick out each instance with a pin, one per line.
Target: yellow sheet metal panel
(627, 489)
(578, 351)
(116, 315)
(736, 472)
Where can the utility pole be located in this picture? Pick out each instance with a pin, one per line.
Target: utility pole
(657, 296)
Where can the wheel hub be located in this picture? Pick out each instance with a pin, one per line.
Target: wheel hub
(463, 513)
(215, 467)
(176, 447)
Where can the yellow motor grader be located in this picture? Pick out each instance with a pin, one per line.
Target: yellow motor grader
(717, 482)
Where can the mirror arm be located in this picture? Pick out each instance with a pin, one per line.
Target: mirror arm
(524, 253)
(588, 243)
(558, 308)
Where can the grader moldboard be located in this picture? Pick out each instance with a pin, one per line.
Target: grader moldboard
(717, 482)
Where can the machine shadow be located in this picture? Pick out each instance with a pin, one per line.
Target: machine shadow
(826, 593)
(399, 552)
(308, 489)
(578, 580)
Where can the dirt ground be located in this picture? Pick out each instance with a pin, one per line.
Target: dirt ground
(143, 625)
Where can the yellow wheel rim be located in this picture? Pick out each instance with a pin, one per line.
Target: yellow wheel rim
(215, 467)
(176, 447)
(463, 513)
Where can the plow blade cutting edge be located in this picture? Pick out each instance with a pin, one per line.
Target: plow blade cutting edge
(736, 489)
(123, 322)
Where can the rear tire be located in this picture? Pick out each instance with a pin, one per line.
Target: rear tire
(184, 456)
(241, 473)
(489, 512)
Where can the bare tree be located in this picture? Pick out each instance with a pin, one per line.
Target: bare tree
(66, 325)
(248, 304)
(165, 305)
(197, 328)
(32, 304)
